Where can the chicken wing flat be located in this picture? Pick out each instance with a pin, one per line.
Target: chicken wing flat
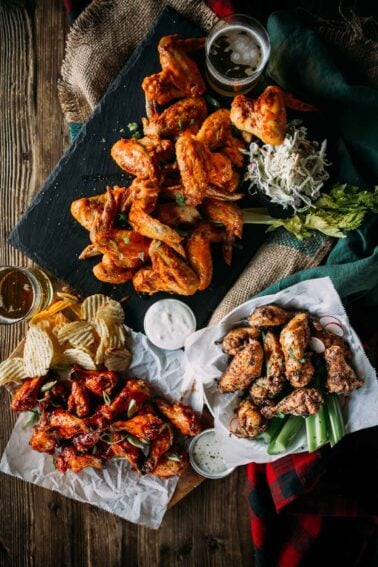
(245, 367)
(268, 316)
(238, 338)
(191, 162)
(186, 113)
(302, 401)
(70, 459)
(294, 339)
(181, 416)
(42, 441)
(199, 251)
(268, 387)
(172, 463)
(157, 448)
(141, 157)
(26, 397)
(175, 215)
(219, 171)
(228, 214)
(79, 401)
(144, 427)
(122, 449)
(250, 420)
(67, 425)
(341, 378)
(96, 381)
(135, 391)
(108, 272)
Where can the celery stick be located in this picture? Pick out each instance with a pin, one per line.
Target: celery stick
(284, 438)
(316, 429)
(274, 426)
(336, 427)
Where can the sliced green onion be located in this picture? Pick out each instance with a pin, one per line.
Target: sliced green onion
(180, 199)
(286, 435)
(212, 101)
(48, 385)
(335, 420)
(316, 429)
(132, 126)
(173, 457)
(33, 418)
(126, 240)
(137, 442)
(106, 397)
(137, 135)
(132, 408)
(274, 426)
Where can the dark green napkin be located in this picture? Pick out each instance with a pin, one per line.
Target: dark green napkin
(301, 63)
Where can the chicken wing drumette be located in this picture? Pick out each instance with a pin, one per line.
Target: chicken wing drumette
(294, 339)
(250, 420)
(181, 416)
(244, 368)
(236, 339)
(268, 387)
(302, 401)
(268, 316)
(341, 378)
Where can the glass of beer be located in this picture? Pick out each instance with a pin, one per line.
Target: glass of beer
(237, 51)
(23, 293)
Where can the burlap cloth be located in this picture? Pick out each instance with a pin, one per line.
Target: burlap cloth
(98, 45)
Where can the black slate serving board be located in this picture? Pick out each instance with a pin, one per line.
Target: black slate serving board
(50, 236)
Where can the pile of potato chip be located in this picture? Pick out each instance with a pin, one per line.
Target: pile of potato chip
(90, 334)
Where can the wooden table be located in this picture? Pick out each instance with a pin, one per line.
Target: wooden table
(37, 526)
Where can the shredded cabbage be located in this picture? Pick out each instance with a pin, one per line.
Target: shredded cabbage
(292, 173)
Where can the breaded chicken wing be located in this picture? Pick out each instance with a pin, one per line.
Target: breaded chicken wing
(294, 339)
(341, 378)
(236, 339)
(181, 416)
(302, 401)
(250, 420)
(245, 367)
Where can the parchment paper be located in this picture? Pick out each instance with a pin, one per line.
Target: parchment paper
(208, 362)
(116, 488)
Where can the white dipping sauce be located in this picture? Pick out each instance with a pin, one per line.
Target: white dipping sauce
(168, 323)
(207, 455)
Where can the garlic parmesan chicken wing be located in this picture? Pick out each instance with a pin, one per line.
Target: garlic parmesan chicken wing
(26, 397)
(180, 76)
(184, 114)
(245, 367)
(268, 316)
(158, 447)
(171, 464)
(341, 378)
(238, 338)
(302, 402)
(294, 339)
(250, 420)
(182, 417)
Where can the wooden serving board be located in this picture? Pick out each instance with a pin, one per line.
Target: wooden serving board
(50, 236)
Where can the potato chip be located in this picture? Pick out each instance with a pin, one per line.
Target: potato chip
(70, 296)
(78, 334)
(91, 304)
(12, 370)
(111, 312)
(38, 352)
(79, 356)
(58, 321)
(117, 359)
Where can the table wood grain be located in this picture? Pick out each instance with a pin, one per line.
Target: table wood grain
(39, 527)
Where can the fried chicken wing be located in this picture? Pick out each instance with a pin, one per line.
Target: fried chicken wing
(269, 386)
(228, 214)
(238, 338)
(135, 391)
(329, 339)
(86, 441)
(26, 397)
(145, 192)
(174, 215)
(294, 339)
(78, 401)
(87, 209)
(186, 113)
(341, 378)
(158, 447)
(42, 441)
(268, 316)
(302, 401)
(245, 367)
(250, 420)
(219, 171)
(122, 449)
(172, 463)
(69, 459)
(144, 427)
(67, 425)
(199, 251)
(180, 76)
(108, 272)
(141, 157)
(181, 416)
(97, 381)
(192, 165)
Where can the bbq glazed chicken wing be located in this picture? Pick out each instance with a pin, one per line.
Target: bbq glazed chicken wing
(184, 114)
(199, 252)
(145, 427)
(302, 401)
(250, 420)
(78, 401)
(268, 316)
(42, 441)
(180, 76)
(238, 338)
(97, 381)
(66, 425)
(122, 449)
(26, 397)
(181, 416)
(135, 392)
(341, 378)
(191, 161)
(245, 367)
(294, 339)
(70, 459)
(157, 448)
(141, 157)
(167, 466)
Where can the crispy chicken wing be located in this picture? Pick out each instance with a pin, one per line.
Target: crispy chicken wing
(122, 449)
(67, 425)
(228, 214)
(145, 427)
(69, 459)
(250, 420)
(199, 251)
(192, 165)
(302, 401)
(329, 339)
(26, 397)
(294, 339)
(181, 416)
(42, 441)
(172, 463)
(186, 113)
(341, 378)
(268, 316)
(107, 271)
(180, 76)
(245, 367)
(97, 381)
(219, 171)
(238, 338)
(87, 209)
(145, 192)
(135, 392)
(141, 157)
(269, 386)
(158, 447)
(78, 401)
(174, 215)
(86, 441)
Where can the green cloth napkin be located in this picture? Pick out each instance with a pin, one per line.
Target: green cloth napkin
(301, 63)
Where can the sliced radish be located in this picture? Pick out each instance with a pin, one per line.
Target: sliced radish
(317, 345)
(335, 329)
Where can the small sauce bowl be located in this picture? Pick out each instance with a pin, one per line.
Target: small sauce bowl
(168, 323)
(206, 457)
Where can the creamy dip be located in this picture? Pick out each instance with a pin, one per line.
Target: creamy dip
(168, 323)
(207, 455)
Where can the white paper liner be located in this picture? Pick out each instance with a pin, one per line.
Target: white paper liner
(116, 488)
(207, 360)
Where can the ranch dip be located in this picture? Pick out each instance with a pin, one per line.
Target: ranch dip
(168, 323)
(206, 455)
